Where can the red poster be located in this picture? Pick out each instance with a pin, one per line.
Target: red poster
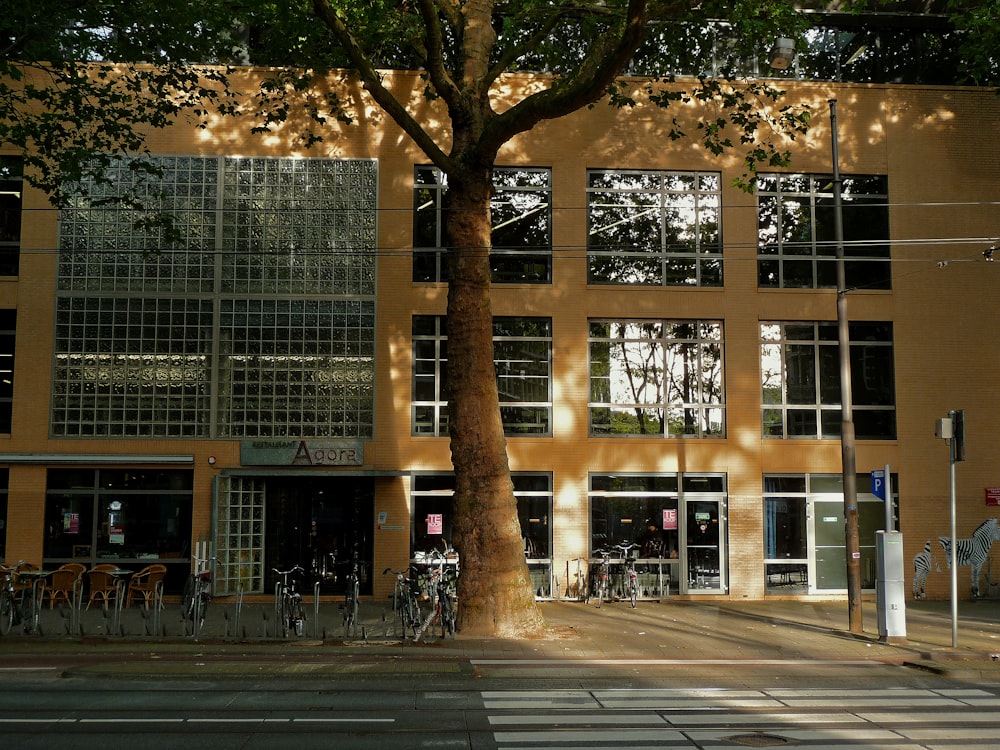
(435, 523)
(993, 495)
(670, 519)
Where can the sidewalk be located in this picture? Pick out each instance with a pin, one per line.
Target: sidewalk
(669, 630)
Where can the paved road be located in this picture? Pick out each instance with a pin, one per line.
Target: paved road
(881, 711)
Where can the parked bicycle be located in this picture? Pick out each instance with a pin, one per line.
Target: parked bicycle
(599, 589)
(289, 613)
(197, 595)
(350, 605)
(630, 578)
(405, 602)
(441, 586)
(10, 604)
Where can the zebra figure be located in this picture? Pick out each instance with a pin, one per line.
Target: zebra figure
(973, 551)
(921, 567)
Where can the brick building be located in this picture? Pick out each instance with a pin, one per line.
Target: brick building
(273, 388)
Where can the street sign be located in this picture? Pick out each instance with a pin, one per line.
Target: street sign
(878, 484)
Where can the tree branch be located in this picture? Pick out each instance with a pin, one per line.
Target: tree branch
(604, 62)
(372, 82)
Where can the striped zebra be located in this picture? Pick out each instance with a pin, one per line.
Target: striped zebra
(973, 551)
(921, 567)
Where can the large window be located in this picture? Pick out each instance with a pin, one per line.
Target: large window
(11, 192)
(4, 482)
(800, 375)
(521, 212)
(804, 545)
(654, 228)
(675, 521)
(261, 323)
(434, 518)
(522, 351)
(657, 377)
(129, 516)
(8, 325)
(796, 238)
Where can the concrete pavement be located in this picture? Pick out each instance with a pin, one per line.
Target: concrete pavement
(706, 630)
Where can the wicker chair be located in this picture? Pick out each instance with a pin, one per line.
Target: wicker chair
(144, 583)
(63, 582)
(102, 585)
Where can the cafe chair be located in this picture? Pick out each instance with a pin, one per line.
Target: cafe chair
(102, 585)
(62, 582)
(144, 583)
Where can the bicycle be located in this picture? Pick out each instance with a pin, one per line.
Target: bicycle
(350, 605)
(10, 608)
(447, 599)
(405, 602)
(288, 609)
(441, 584)
(197, 595)
(630, 578)
(600, 588)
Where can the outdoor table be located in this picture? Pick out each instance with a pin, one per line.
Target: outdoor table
(120, 575)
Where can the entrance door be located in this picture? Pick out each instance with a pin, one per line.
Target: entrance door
(829, 548)
(320, 524)
(704, 540)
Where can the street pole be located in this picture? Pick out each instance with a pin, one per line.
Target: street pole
(848, 451)
(953, 456)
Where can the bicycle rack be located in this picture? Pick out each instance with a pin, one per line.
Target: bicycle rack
(76, 608)
(239, 610)
(157, 606)
(277, 609)
(316, 632)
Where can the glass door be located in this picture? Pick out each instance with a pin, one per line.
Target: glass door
(704, 538)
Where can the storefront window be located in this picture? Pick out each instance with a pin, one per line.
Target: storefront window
(4, 476)
(675, 523)
(129, 516)
(434, 518)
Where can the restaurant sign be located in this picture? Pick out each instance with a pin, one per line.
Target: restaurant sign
(302, 453)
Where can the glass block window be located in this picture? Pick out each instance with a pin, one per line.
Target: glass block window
(522, 225)
(239, 536)
(253, 316)
(132, 367)
(297, 367)
(299, 225)
(11, 192)
(654, 228)
(800, 376)
(796, 242)
(522, 351)
(8, 326)
(657, 377)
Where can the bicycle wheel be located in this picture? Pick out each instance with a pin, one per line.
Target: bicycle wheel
(602, 591)
(633, 590)
(285, 618)
(187, 599)
(203, 601)
(351, 609)
(298, 616)
(6, 612)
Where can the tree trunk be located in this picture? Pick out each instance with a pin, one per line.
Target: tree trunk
(495, 592)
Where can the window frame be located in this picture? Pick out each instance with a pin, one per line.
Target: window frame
(662, 405)
(641, 193)
(803, 254)
(785, 406)
(429, 416)
(430, 185)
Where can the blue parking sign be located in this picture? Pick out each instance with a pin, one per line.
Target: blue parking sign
(878, 484)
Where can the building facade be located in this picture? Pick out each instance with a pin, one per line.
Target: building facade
(273, 388)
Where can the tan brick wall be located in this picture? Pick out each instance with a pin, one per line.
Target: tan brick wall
(935, 145)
